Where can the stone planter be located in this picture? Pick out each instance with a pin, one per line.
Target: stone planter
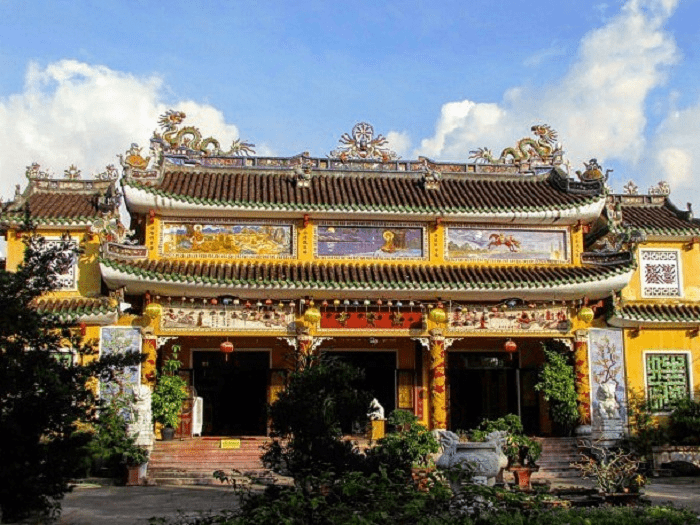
(485, 458)
(135, 474)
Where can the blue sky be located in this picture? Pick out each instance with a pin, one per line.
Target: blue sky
(619, 80)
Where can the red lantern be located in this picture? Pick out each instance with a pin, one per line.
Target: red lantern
(83, 328)
(510, 346)
(226, 347)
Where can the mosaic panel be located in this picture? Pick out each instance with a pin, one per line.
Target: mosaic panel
(607, 377)
(230, 318)
(232, 239)
(476, 318)
(68, 280)
(667, 378)
(369, 241)
(507, 244)
(660, 273)
(120, 340)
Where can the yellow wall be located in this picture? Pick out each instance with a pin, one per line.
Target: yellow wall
(89, 279)
(690, 273)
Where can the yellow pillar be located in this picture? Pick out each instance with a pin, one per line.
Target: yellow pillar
(148, 367)
(583, 383)
(438, 399)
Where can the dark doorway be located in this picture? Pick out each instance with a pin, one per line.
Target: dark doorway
(234, 392)
(380, 374)
(482, 386)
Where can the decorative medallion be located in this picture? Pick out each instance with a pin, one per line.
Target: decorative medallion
(631, 188)
(363, 145)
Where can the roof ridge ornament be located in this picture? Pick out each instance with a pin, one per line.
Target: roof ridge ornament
(361, 144)
(544, 149)
(631, 188)
(662, 188)
(188, 139)
(594, 171)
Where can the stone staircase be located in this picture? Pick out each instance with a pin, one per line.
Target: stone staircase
(193, 461)
(557, 456)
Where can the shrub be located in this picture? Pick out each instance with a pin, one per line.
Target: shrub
(410, 446)
(558, 386)
(684, 422)
(169, 393)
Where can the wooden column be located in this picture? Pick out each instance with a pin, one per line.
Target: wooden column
(583, 383)
(438, 396)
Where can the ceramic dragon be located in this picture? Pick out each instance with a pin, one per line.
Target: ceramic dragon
(525, 149)
(190, 138)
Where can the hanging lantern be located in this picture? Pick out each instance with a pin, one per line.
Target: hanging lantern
(226, 347)
(268, 302)
(437, 315)
(325, 303)
(336, 302)
(153, 310)
(586, 314)
(214, 302)
(312, 315)
(510, 346)
(83, 328)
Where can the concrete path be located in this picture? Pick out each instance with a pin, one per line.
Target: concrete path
(96, 505)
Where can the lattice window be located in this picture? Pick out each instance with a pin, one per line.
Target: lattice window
(667, 378)
(660, 273)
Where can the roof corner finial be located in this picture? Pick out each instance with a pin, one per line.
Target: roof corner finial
(72, 173)
(362, 144)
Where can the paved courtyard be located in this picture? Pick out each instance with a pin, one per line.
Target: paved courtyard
(97, 505)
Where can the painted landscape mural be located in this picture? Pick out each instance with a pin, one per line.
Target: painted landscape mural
(507, 244)
(227, 240)
(370, 242)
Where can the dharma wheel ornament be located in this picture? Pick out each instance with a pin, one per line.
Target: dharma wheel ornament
(312, 315)
(586, 314)
(437, 315)
(153, 310)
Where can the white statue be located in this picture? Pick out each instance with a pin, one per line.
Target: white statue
(376, 411)
(608, 405)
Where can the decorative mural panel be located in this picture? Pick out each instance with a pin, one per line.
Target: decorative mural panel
(476, 318)
(667, 378)
(67, 280)
(507, 244)
(228, 239)
(176, 318)
(370, 241)
(607, 377)
(371, 319)
(121, 340)
(660, 273)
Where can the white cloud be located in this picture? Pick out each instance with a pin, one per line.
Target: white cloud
(598, 107)
(399, 142)
(75, 113)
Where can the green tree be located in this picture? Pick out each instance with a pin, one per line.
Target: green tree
(43, 399)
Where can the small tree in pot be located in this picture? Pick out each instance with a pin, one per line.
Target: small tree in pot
(168, 396)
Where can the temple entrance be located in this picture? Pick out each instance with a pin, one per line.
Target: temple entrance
(234, 392)
(489, 385)
(380, 374)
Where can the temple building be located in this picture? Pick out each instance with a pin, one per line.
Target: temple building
(442, 280)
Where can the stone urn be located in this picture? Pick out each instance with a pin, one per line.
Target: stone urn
(485, 459)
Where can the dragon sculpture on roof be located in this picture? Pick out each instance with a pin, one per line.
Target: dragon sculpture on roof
(190, 138)
(525, 149)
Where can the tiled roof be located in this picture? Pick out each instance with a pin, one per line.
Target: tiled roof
(76, 308)
(358, 276)
(353, 191)
(75, 207)
(659, 313)
(651, 214)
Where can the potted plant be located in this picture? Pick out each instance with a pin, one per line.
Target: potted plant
(136, 461)
(522, 452)
(168, 396)
(615, 473)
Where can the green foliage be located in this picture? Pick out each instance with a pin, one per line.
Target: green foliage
(169, 393)
(412, 445)
(519, 448)
(684, 422)
(322, 397)
(110, 444)
(646, 430)
(42, 398)
(557, 383)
